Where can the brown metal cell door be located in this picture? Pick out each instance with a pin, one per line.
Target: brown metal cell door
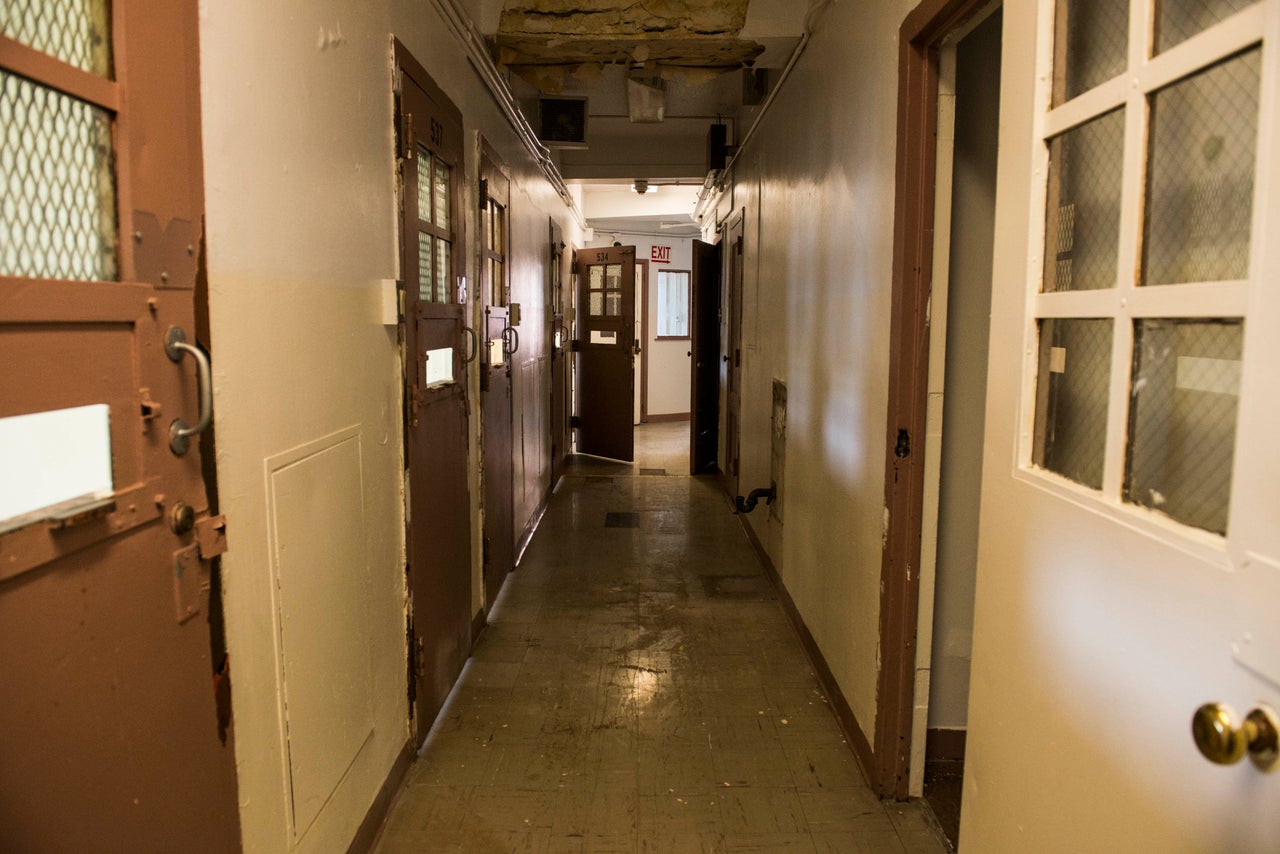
(704, 424)
(501, 341)
(110, 736)
(731, 358)
(605, 378)
(438, 510)
(558, 345)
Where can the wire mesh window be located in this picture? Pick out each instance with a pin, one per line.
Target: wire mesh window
(494, 232)
(1182, 418)
(1072, 397)
(1148, 185)
(604, 290)
(58, 214)
(1179, 20)
(1203, 148)
(1091, 38)
(77, 32)
(435, 258)
(1082, 221)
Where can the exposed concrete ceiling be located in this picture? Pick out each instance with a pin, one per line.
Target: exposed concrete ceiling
(683, 34)
(684, 49)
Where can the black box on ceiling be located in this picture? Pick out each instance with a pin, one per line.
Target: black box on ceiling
(717, 147)
(562, 121)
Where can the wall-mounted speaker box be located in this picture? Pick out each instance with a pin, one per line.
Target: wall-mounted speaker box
(717, 147)
(755, 86)
(562, 121)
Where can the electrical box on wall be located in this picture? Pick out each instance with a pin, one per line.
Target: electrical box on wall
(390, 296)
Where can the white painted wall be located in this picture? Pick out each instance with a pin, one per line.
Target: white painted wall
(968, 307)
(302, 225)
(669, 379)
(816, 183)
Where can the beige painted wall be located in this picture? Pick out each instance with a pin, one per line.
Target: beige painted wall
(817, 185)
(302, 227)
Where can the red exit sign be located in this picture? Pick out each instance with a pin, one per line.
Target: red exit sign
(661, 254)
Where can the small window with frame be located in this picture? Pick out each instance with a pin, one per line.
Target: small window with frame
(673, 304)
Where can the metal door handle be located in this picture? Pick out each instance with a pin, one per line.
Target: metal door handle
(475, 345)
(511, 338)
(1222, 741)
(175, 345)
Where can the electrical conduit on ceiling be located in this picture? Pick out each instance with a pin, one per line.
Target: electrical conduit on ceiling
(478, 54)
(705, 196)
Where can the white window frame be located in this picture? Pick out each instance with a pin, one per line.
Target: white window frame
(1128, 301)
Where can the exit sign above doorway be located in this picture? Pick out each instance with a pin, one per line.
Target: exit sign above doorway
(662, 254)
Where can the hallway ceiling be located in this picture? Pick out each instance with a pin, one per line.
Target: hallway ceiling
(691, 52)
(543, 40)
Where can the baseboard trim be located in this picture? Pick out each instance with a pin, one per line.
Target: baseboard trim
(527, 535)
(854, 736)
(945, 744)
(371, 828)
(671, 416)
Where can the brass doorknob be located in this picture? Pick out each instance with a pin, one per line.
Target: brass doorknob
(1223, 741)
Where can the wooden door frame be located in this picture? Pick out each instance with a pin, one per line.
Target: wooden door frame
(919, 39)
(642, 265)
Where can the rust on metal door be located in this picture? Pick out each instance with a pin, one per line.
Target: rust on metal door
(704, 403)
(110, 643)
(501, 346)
(604, 395)
(436, 354)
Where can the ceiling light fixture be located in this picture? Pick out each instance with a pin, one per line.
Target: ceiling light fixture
(641, 186)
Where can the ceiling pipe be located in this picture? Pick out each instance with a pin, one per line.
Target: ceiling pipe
(706, 195)
(478, 53)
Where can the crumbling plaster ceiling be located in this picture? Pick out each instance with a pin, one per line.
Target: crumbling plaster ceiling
(548, 41)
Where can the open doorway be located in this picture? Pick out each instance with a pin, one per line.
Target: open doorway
(964, 219)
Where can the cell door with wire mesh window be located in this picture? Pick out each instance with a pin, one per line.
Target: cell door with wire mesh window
(114, 728)
(501, 343)
(438, 504)
(604, 379)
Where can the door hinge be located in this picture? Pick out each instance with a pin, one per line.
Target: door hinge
(411, 652)
(211, 536)
(415, 401)
(574, 421)
(410, 148)
(575, 345)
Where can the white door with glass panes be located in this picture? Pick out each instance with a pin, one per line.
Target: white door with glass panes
(1129, 567)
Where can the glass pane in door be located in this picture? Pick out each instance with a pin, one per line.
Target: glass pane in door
(1092, 43)
(58, 211)
(1179, 20)
(1182, 421)
(78, 32)
(1071, 397)
(441, 193)
(444, 291)
(426, 267)
(1204, 133)
(1082, 216)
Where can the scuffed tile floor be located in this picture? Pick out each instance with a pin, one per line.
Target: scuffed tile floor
(640, 690)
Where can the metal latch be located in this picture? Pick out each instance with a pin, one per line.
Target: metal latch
(211, 536)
